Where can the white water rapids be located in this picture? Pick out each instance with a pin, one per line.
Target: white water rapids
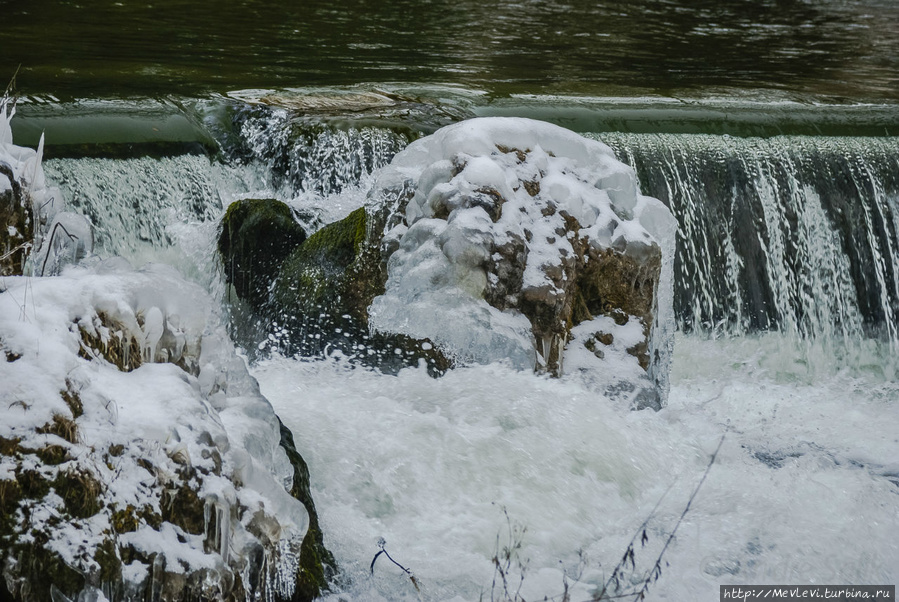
(805, 489)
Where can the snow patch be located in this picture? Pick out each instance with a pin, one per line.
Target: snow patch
(524, 186)
(146, 433)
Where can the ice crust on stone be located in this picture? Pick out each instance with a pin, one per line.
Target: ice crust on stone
(542, 173)
(215, 422)
(184, 414)
(60, 237)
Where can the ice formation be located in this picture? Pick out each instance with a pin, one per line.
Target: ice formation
(137, 455)
(501, 212)
(197, 436)
(60, 237)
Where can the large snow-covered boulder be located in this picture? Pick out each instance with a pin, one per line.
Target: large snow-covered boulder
(519, 240)
(137, 456)
(138, 459)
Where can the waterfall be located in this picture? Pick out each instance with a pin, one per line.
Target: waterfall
(149, 208)
(784, 243)
(309, 156)
(797, 234)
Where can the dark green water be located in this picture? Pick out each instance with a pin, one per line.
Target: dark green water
(833, 51)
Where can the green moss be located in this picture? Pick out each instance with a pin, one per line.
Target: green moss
(125, 520)
(80, 492)
(336, 244)
(320, 274)
(326, 286)
(317, 564)
(325, 290)
(256, 236)
(110, 563)
(311, 580)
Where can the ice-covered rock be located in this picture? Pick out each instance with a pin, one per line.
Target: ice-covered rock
(507, 236)
(132, 475)
(138, 459)
(34, 227)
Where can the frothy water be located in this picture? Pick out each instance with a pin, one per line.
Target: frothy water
(804, 489)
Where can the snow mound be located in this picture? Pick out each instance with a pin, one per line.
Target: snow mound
(133, 465)
(501, 215)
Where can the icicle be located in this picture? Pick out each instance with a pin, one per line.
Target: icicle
(152, 330)
(223, 511)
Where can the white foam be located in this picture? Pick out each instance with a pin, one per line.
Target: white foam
(440, 266)
(428, 463)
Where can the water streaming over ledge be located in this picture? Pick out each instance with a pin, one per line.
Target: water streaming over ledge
(791, 233)
(785, 241)
(798, 234)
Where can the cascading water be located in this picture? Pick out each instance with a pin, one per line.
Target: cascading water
(138, 207)
(796, 234)
(150, 209)
(308, 157)
(781, 240)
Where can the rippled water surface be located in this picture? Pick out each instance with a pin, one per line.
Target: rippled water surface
(832, 50)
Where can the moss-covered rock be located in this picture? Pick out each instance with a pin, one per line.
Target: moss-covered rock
(256, 236)
(324, 291)
(326, 283)
(317, 565)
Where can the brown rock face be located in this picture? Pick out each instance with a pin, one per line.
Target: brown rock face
(541, 249)
(587, 282)
(16, 227)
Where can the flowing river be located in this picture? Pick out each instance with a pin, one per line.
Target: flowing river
(769, 129)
